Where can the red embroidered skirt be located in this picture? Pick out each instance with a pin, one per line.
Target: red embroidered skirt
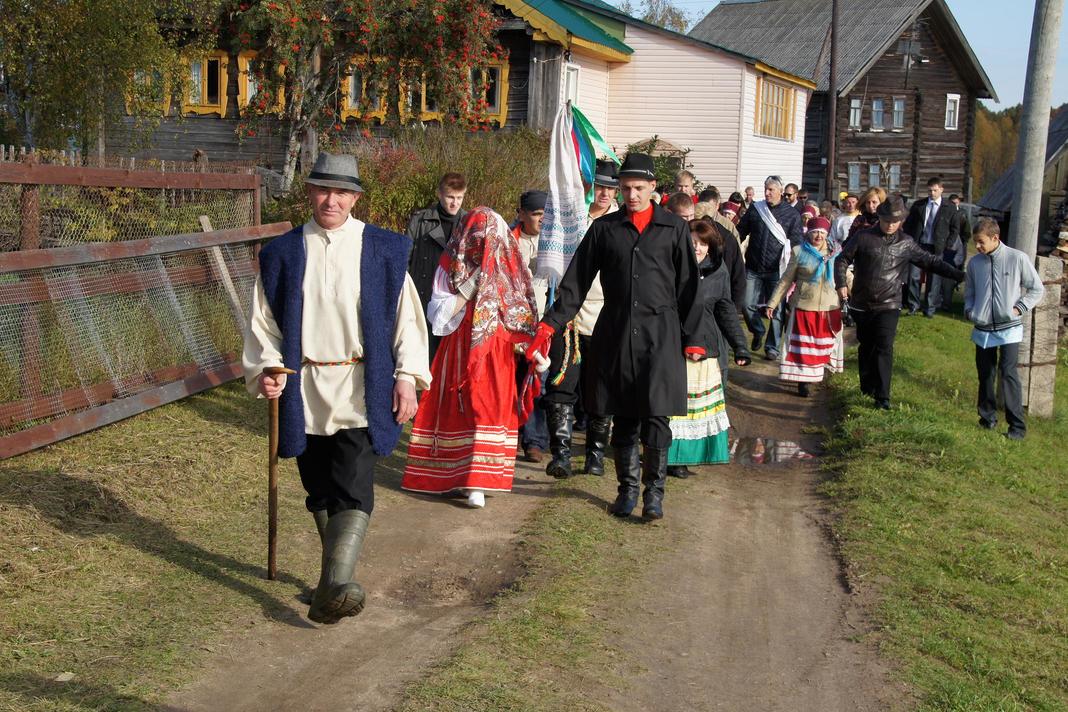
(813, 345)
(465, 433)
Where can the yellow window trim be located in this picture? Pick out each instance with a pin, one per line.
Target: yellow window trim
(349, 111)
(501, 116)
(789, 108)
(785, 76)
(203, 107)
(378, 113)
(165, 104)
(244, 61)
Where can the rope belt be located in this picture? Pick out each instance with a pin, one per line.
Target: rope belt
(348, 362)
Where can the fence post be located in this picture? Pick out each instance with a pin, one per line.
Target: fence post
(1042, 336)
(30, 239)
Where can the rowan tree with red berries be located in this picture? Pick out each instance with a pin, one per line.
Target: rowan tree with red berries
(307, 50)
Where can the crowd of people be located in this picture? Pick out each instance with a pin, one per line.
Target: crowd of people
(633, 345)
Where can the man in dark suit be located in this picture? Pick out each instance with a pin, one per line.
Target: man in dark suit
(933, 224)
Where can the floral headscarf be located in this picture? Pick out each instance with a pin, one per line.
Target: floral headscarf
(504, 295)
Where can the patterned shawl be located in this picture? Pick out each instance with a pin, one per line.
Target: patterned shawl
(504, 295)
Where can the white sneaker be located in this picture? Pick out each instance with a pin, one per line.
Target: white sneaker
(476, 499)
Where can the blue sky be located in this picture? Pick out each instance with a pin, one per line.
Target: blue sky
(999, 33)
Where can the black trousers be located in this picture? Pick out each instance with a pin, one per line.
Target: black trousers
(875, 332)
(337, 471)
(653, 431)
(991, 363)
(571, 389)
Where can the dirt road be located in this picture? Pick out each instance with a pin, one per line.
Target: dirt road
(756, 617)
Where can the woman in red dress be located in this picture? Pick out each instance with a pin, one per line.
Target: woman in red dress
(464, 435)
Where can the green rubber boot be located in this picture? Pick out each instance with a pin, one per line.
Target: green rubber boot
(337, 595)
(321, 517)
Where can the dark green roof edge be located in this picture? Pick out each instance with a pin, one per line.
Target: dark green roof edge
(605, 8)
(572, 21)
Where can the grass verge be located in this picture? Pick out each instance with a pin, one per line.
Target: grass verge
(962, 533)
(130, 553)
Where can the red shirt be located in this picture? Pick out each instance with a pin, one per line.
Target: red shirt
(641, 220)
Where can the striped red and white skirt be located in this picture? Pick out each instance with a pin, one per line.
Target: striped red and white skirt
(465, 433)
(813, 346)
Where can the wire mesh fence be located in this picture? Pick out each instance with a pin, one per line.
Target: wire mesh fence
(44, 206)
(88, 338)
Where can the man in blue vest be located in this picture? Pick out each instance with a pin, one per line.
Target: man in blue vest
(320, 285)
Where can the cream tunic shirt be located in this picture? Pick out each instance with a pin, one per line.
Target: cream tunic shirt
(330, 331)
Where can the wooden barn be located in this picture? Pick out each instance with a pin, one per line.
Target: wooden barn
(908, 85)
(741, 117)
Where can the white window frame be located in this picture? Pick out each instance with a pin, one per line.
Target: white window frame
(896, 125)
(856, 113)
(878, 115)
(876, 170)
(893, 181)
(854, 177)
(952, 111)
(569, 84)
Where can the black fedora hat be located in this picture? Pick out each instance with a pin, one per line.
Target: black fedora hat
(606, 174)
(638, 165)
(893, 209)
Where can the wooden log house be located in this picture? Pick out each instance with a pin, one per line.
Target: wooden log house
(908, 86)
(740, 117)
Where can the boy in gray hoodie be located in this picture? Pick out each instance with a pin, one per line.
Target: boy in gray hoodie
(1000, 287)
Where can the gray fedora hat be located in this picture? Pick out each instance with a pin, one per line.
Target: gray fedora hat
(335, 171)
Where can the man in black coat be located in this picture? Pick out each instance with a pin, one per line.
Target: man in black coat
(430, 230)
(880, 257)
(649, 275)
(933, 223)
(766, 258)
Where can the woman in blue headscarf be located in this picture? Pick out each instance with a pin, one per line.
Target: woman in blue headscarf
(814, 334)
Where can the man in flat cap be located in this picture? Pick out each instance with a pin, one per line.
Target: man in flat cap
(335, 304)
(534, 434)
(649, 274)
(571, 358)
(881, 256)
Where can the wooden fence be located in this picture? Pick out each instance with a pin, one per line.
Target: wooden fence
(93, 332)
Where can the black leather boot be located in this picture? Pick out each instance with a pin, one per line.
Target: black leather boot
(597, 429)
(654, 473)
(559, 416)
(337, 595)
(628, 472)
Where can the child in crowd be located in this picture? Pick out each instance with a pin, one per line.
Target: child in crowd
(1001, 285)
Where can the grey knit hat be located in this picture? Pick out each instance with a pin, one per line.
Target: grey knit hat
(333, 171)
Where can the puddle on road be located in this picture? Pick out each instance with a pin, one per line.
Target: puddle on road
(766, 451)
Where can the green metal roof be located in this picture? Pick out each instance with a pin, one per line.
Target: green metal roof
(578, 25)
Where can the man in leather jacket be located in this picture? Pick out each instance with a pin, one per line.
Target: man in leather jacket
(881, 257)
(429, 230)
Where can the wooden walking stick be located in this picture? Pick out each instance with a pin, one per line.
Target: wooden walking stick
(272, 475)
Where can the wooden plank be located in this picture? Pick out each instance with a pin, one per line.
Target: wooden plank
(222, 274)
(77, 423)
(71, 399)
(34, 290)
(36, 174)
(100, 251)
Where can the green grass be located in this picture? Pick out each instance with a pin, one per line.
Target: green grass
(130, 553)
(960, 533)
